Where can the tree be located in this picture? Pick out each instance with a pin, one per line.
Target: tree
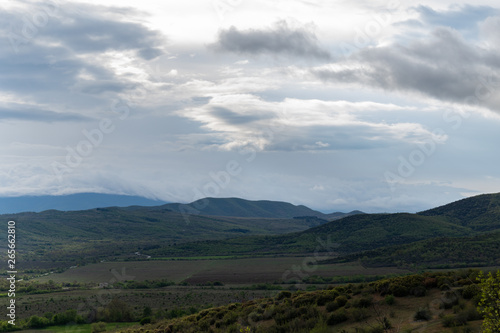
(489, 306)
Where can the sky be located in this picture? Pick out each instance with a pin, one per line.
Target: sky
(382, 106)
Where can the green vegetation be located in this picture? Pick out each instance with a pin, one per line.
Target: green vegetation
(443, 252)
(423, 306)
(53, 239)
(490, 302)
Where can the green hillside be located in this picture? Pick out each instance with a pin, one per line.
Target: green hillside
(348, 235)
(481, 250)
(480, 213)
(431, 302)
(76, 236)
(243, 208)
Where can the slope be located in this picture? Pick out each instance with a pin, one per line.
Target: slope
(244, 208)
(79, 235)
(480, 213)
(348, 235)
(78, 201)
(443, 252)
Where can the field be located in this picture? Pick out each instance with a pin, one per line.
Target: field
(228, 271)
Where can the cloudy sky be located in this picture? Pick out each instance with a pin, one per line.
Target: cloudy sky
(382, 106)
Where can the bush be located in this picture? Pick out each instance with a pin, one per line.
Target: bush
(98, 327)
(284, 294)
(359, 314)
(145, 320)
(363, 302)
(422, 314)
(337, 317)
(341, 301)
(332, 306)
(448, 321)
(390, 299)
(468, 292)
(38, 322)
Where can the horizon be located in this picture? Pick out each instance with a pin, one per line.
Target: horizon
(378, 107)
(152, 204)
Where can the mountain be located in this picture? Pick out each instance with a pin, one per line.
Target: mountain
(246, 208)
(348, 235)
(444, 233)
(80, 236)
(480, 213)
(71, 202)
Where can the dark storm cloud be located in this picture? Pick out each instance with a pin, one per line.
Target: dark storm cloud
(82, 28)
(279, 40)
(38, 115)
(443, 66)
(54, 53)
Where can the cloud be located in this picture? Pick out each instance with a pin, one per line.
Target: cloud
(300, 42)
(73, 55)
(463, 17)
(444, 67)
(242, 120)
(37, 114)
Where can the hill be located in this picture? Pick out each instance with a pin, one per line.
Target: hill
(362, 232)
(244, 208)
(80, 236)
(431, 302)
(480, 213)
(442, 252)
(348, 235)
(78, 201)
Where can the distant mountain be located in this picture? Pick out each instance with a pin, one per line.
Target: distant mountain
(71, 202)
(340, 215)
(246, 208)
(362, 232)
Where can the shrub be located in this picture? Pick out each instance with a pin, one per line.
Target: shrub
(284, 294)
(448, 321)
(390, 299)
(359, 314)
(341, 301)
(38, 322)
(468, 292)
(325, 298)
(98, 327)
(422, 314)
(363, 302)
(337, 317)
(145, 320)
(332, 306)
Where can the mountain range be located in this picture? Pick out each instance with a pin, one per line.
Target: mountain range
(238, 227)
(70, 202)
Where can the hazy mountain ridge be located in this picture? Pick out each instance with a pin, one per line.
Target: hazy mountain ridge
(71, 202)
(247, 208)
